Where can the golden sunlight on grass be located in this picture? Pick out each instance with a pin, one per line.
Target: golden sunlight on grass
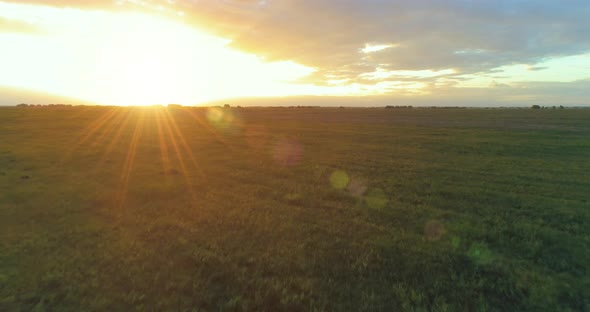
(172, 144)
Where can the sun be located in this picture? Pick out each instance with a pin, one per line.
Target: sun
(132, 58)
(143, 60)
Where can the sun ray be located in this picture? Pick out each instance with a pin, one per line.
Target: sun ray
(182, 139)
(88, 132)
(177, 152)
(130, 161)
(126, 116)
(105, 134)
(164, 154)
(97, 125)
(110, 127)
(206, 125)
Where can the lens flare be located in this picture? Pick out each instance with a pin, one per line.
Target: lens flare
(480, 253)
(357, 186)
(224, 119)
(434, 230)
(376, 198)
(339, 179)
(288, 152)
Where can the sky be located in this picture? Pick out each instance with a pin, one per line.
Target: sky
(332, 52)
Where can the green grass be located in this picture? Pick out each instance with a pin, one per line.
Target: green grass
(294, 209)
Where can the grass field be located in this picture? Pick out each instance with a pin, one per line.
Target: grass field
(309, 209)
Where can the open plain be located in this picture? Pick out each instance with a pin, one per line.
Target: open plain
(181, 208)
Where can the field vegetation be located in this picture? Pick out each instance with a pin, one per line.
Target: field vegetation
(298, 209)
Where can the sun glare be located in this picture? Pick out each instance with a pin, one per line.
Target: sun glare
(131, 59)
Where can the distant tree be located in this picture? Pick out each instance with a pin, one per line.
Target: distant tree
(536, 107)
(398, 106)
(22, 105)
(226, 106)
(561, 107)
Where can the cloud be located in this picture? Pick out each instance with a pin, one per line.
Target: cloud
(428, 32)
(464, 40)
(67, 3)
(468, 35)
